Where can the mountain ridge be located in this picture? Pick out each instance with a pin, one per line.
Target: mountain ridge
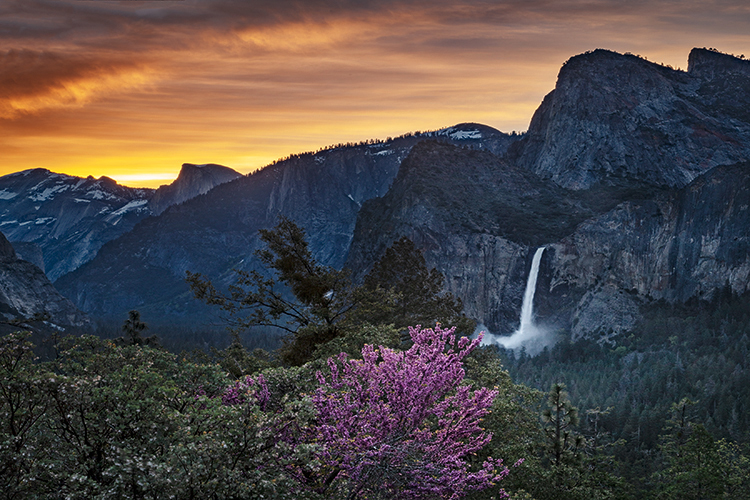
(576, 138)
(69, 218)
(26, 294)
(218, 231)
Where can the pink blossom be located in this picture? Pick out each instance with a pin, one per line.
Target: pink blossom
(402, 422)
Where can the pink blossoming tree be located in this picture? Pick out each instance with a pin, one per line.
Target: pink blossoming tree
(400, 424)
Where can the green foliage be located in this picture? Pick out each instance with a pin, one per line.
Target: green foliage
(560, 418)
(352, 342)
(237, 361)
(321, 296)
(22, 405)
(699, 350)
(695, 465)
(109, 421)
(133, 329)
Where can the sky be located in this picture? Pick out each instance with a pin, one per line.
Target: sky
(133, 89)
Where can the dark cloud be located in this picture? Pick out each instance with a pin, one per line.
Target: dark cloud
(25, 73)
(35, 80)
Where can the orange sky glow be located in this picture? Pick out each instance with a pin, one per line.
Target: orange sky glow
(133, 89)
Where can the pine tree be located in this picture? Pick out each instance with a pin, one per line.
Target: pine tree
(563, 443)
(416, 292)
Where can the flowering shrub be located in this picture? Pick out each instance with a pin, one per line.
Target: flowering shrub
(248, 387)
(401, 424)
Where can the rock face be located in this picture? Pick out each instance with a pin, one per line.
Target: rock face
(25, 292)
(30, 252)
(193, 180)
(634, 176)
(618, 119)
(474, 216)
(214, 233)
(688, 243)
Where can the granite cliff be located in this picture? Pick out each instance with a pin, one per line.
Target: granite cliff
(26, 293)
(620, 120)
(639, 193)
(193, 180)
(632, 174)
(687, 243)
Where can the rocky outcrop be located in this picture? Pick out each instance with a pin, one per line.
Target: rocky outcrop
(193, 180)
(620, 120)
(709, 64)
(633, 175)
(69, 218)
(30, 252)
(26, 293)
(477, 219)
(642, 219)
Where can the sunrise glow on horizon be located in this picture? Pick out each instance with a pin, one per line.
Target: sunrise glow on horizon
(134, 89)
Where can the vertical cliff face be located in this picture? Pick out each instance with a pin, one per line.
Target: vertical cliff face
(688, 243)
(476, 217)
(633, 175)
(654, 206)
(617, 119)
(25, 292)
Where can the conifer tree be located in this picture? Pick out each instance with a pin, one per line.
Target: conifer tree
(563, 443)
(317, 304)
(416, 291)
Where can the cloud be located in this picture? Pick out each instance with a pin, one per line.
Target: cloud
(32, 81)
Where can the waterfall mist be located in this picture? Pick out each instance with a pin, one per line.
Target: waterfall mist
(530, 336)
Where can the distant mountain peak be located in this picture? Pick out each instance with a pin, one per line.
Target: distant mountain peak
(192, 181)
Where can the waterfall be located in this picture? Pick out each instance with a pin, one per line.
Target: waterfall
(528, 335)
(527, 308)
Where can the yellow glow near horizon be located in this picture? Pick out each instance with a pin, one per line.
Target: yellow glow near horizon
(145, 179)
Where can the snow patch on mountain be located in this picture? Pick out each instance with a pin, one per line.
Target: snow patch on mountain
(98, 194)
(133, 205)
(7, 195)
(48, 193)
(460, 135)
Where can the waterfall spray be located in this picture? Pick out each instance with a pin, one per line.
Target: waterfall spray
(528, 335)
